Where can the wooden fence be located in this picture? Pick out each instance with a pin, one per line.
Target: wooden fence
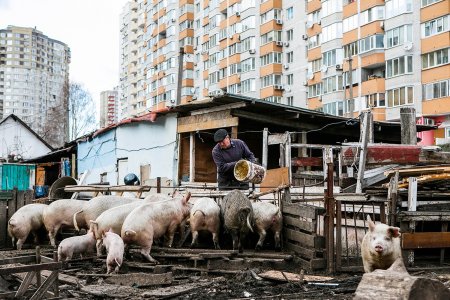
(10, 202)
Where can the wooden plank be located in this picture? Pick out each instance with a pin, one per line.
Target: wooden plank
(287, 276)
(302, 210)
(18, 260)
(415, 171)
(177, 290)
(141, 279)
(21, 269)
(212, 120)
(317, 242)
(304, 252)
(412, 194)
(420, 240)
(274, 178)
(384, 154)
(42, 290)
(278, 138)
(424, 216)
(25, 284)
(300, 224)
(306, 161)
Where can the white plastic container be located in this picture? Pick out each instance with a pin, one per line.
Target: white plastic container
(246, 171)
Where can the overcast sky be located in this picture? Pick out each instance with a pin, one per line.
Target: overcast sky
(89, 27)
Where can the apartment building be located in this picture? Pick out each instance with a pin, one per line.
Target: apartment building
(34, 80)
(383, 55)
(251, 47)
(337, 56)
(109, 107)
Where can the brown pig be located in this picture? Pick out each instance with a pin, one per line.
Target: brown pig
(205, 215)
(59, 214)
(25, 220)
(380, 246)
(82, 244)
(115, 249)
(151, 221)
(267, 216)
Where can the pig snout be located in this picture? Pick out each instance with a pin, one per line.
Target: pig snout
(379, 249)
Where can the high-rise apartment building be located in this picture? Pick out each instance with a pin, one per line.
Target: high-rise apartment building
(34, 80)
(397, 51)
(292, 52)
(109, 107)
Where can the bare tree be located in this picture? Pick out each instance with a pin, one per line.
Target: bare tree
(81, 111)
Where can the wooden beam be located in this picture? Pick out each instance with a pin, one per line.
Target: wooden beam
(408, 125)
(141, 279)
(265, 149)
(214, 120)
(420, 240)
(192, 157)
(363, 151)
(218, 108)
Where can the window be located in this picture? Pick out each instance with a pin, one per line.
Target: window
(271, 37)
(270, 15)
(290, 57)
(271, 58)
(334, 108)
(274, 99)
(400, 96)
(247, 44)
(351, 49)
(290, 13)
(314, 90)
(372, 14)
(350, 23)
(398, 36)
(331, 32)
(314, 66)
(399, 66)
(248, 64)
(434, 59)
(290, 79)
(436, 90)
(248, 23)
(234, 88)
(290, 100)
(371, 43)
(397, 7)
(332, 57)
(314, 17)
(330, 7)
(429, 2)
(331, 84)
(247, 4)
(435, 26)
(248, 85)
(270, 80)
(290, 35)
(375, 100)
(314, 41)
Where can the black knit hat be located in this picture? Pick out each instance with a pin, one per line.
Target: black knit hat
(220, 135)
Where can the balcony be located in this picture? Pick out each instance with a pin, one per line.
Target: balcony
(373, 85)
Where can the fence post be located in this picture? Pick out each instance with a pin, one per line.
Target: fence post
(329, 218)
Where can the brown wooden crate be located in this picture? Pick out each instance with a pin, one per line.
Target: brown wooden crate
(301, 251)
(302, 210)
(317, 242)
(425, 240)
(304, 225)
(274, 178)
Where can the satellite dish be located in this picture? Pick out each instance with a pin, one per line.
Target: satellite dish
(324, 68)
(408, 46)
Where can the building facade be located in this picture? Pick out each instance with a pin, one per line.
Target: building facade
(109, 107)
(297, 53)
(34, 80)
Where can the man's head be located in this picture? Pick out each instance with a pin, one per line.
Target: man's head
(221, 137)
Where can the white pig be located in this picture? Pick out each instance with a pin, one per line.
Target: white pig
(205, 215)
(94, 207)
(115, 249)
(25, 220)
(59, 214)
(112, 219)
(267, 216)
(380, 246)
(82, 244)
(151, 221)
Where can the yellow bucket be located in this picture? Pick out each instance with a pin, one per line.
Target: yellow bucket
(246, 171)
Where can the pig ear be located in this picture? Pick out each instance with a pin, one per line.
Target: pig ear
(187, 197)
(175, 192)
(394, 231)
(371, 224)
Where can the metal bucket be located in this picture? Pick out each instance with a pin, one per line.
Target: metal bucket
(246, 171)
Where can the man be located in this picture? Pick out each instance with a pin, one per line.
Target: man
(226, 153)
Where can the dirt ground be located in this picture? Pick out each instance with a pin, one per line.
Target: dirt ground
(235, 277)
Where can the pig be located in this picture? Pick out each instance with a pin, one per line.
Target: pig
(115, 249)
(237, 213)
(94, 207)
(267, 216)
(82, 244)
(380, 246)
(59, 214)
(112, 219)
(25, 220)
(205, 215)
(151, 221)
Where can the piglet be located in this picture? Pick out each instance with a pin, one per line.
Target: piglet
(115, 248)
(82, 244)
(380, 246)
(205, 215)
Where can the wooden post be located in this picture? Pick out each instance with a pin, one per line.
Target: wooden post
(408, 125)
(180, 75)
(38, 261)
(74, 166)
(265, 149)
(192, 157)
(329, 218)
(287, 156)
(158, 185)
(392, 197)
(363, 151)
(412, 206)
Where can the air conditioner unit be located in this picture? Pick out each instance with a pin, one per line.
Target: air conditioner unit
(288, 89)
(428, 121)
(205, 52)
(305, 83)
(382, 25)
(319, 22)
(278, 43)
(211, 93)
(238, 14)
(174, 20)
(278, 87)
(252, 51)
(286, 66)
(172, 100)
(324, 68)
(338, 67)
(304, 37)
(286, 44)
(279, 21)
(194, 97)
(195, 47)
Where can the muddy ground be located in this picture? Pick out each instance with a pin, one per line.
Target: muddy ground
(183, 275)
